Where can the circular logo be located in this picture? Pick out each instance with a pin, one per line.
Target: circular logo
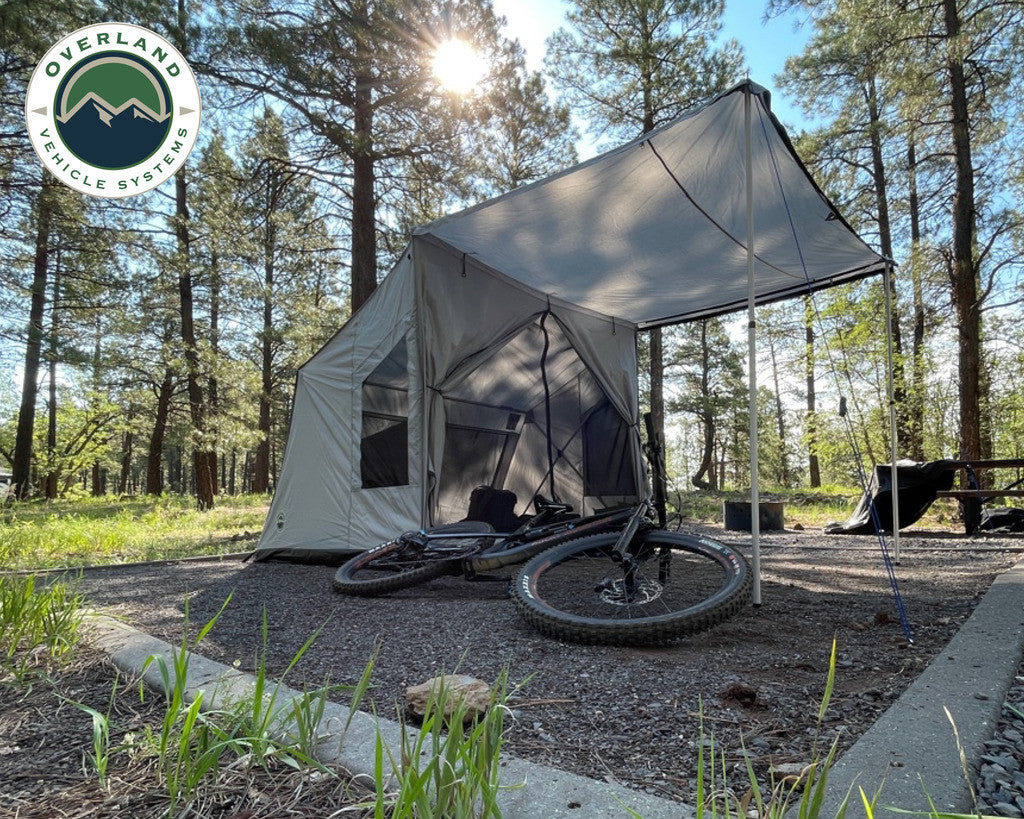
(113, 110)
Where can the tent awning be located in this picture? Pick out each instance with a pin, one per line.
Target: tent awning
(655, 232)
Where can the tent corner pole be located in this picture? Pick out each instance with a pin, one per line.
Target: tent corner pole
(891, 382)
(755, 491)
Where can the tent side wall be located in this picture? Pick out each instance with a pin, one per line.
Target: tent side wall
(329, 500)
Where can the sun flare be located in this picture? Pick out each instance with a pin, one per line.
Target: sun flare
(458, 66)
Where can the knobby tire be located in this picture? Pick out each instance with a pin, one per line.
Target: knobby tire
(574, 591)
(389, 567)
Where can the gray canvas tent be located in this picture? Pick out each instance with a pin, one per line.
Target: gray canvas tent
(505, 337)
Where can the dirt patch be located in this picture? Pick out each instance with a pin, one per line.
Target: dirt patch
(46, 771)
(622, 714)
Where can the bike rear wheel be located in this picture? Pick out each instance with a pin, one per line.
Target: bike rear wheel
(681, 585)
(394, 565)
(407, 561)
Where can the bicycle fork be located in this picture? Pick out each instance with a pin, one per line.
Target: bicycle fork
(625, 554)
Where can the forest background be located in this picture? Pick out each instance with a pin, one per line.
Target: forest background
(150, 345)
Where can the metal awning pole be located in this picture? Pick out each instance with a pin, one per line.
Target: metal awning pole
(893, 443)
(755, 492)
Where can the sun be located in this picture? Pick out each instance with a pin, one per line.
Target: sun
(458, 66)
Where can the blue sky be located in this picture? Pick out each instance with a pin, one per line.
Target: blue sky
(765, 44)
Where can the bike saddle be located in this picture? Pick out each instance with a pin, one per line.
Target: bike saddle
(542, 504)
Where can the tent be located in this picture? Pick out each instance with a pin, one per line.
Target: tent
(501, 349)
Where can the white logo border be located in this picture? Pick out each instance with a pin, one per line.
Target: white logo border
(40, 116)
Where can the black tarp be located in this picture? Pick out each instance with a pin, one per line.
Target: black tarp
(918, 485)
(1002, 519)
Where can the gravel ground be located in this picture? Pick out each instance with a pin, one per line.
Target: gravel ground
(1000, 777)
(628, 715)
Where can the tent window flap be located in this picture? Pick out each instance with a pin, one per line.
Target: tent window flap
(384, 441)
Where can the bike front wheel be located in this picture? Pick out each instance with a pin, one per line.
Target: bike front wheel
(679, 585)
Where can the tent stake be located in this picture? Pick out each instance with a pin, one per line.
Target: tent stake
(755, 491)
(891, 379)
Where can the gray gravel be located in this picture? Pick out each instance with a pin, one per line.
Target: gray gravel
(1000, 776)
(628, 715)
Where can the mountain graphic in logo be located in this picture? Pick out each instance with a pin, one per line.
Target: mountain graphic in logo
(113, 110)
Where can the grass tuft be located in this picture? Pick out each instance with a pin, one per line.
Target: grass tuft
(39, 625)
(450, 767)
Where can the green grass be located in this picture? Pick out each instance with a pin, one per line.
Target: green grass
(38, 625)
(809, 509)
(449, 768)
(90, 532)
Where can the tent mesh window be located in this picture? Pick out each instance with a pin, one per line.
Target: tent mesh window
(384, 443)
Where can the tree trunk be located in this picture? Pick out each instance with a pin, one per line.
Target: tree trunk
(22, 467)
(364, 199)
(154, 470)
(204, 464)
(813, 469)
(915, 441)
(212, 385)
(127, 453)
(261, 467)
(964, 273)
(707, 416)
(99, 478)
(204, 460)
(50, 485)
(657, 347)
(780, 416)
(879, 177)
(657, 371)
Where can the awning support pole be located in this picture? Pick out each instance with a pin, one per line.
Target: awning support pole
(893, 443)
(755, 492)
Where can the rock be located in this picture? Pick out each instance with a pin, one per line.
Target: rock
(1007, 763)
(456, 687)
(789, 768)
(740, 694)
(1006, 809)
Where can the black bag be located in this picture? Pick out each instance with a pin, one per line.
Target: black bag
(494, 506)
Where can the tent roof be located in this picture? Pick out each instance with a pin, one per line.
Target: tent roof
(655, 232)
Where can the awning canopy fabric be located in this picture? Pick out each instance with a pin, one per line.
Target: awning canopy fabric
(655, 232)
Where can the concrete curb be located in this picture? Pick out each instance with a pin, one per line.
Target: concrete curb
(912, 746)
(100, 567)
(545, 792)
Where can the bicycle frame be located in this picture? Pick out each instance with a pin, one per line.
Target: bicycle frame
(531, 532)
